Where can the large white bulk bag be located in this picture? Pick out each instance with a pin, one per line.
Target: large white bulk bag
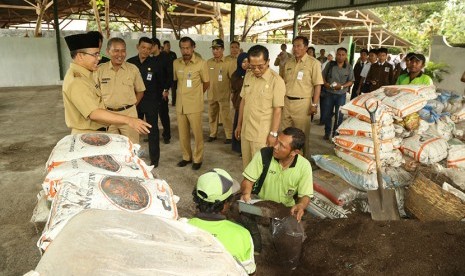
(98, 242)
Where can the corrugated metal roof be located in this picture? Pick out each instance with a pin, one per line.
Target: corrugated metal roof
(325, 5)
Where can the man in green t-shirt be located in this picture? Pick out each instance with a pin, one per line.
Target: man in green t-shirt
(213, 195)
(415, 75)
(289, 174)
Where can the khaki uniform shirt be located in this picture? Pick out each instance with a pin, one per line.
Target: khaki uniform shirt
(119, 87)
(301, 76)
(261, 95)
(229, 57)
(220, 79)
(190, 77)
(81, 96)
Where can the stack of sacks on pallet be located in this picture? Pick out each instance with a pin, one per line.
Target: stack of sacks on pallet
(354, 143)
(100, 171)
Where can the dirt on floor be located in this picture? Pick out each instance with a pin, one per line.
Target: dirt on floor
(32, 121)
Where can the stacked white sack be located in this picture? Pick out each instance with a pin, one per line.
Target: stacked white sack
(84, 191)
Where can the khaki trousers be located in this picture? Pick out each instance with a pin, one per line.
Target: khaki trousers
(125, 129)
(295, 114)
(219, 109)
(249, 148)
(186, 122)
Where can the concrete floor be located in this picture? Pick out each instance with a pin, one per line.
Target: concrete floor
(32, 121)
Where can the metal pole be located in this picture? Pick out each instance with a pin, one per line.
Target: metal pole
(294, 27)
(57, 36)
(232, 21)
(154, 18)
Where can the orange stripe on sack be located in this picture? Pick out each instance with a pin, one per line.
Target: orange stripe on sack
(425, 144)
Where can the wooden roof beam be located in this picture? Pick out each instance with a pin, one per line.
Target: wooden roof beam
(17, 7)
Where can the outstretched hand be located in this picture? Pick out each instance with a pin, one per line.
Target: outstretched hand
(139, 125)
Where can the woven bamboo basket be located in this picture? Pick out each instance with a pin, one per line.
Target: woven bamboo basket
(427, 201)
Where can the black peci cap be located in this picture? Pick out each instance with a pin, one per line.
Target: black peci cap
(82, 41)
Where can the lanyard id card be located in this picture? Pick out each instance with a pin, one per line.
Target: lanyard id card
(189, 81)
(220, 76)
(149, 74)
(300, 75)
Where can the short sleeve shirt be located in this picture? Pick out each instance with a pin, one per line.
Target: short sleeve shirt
(281, 185)
(301, 76)
(220, 73)
(338, 74)
(81, 97)
(421, 79)
(261, 95)
(119, 87)
(190, 77)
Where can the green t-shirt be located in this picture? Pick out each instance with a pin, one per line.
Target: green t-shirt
(235, 238)
(281, 185)
(421, 79)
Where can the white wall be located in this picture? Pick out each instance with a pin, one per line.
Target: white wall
(455, 58)
(30, 61)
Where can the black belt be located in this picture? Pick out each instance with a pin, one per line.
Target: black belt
(121, 108)
(102, 129)
(294, 98)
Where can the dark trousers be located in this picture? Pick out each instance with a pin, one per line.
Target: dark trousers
(236, 144)
(164, 114)
(354, 90)
(154, 135)
(331, 103)
(173, 93)
(140, 114)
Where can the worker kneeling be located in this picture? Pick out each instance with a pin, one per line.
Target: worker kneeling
(279, 174)
(213, 196)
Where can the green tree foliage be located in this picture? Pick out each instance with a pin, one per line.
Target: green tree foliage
(418, 23)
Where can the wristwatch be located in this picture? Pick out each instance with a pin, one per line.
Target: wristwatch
(315, 105)
(342, 87)
(274, 134)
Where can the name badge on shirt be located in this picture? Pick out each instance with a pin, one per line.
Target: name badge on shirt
(220, 76)
(149, 76)
(386, 69)
(300, 75)
(189, 81)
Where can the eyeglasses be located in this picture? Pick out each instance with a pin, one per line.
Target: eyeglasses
(259, 67)
(95, 55)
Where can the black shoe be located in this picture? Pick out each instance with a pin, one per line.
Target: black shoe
(326, 137)
(228, 141)
(154, 164)
(166, 141)
(183, 163)
(196, 166)
(211, 139)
